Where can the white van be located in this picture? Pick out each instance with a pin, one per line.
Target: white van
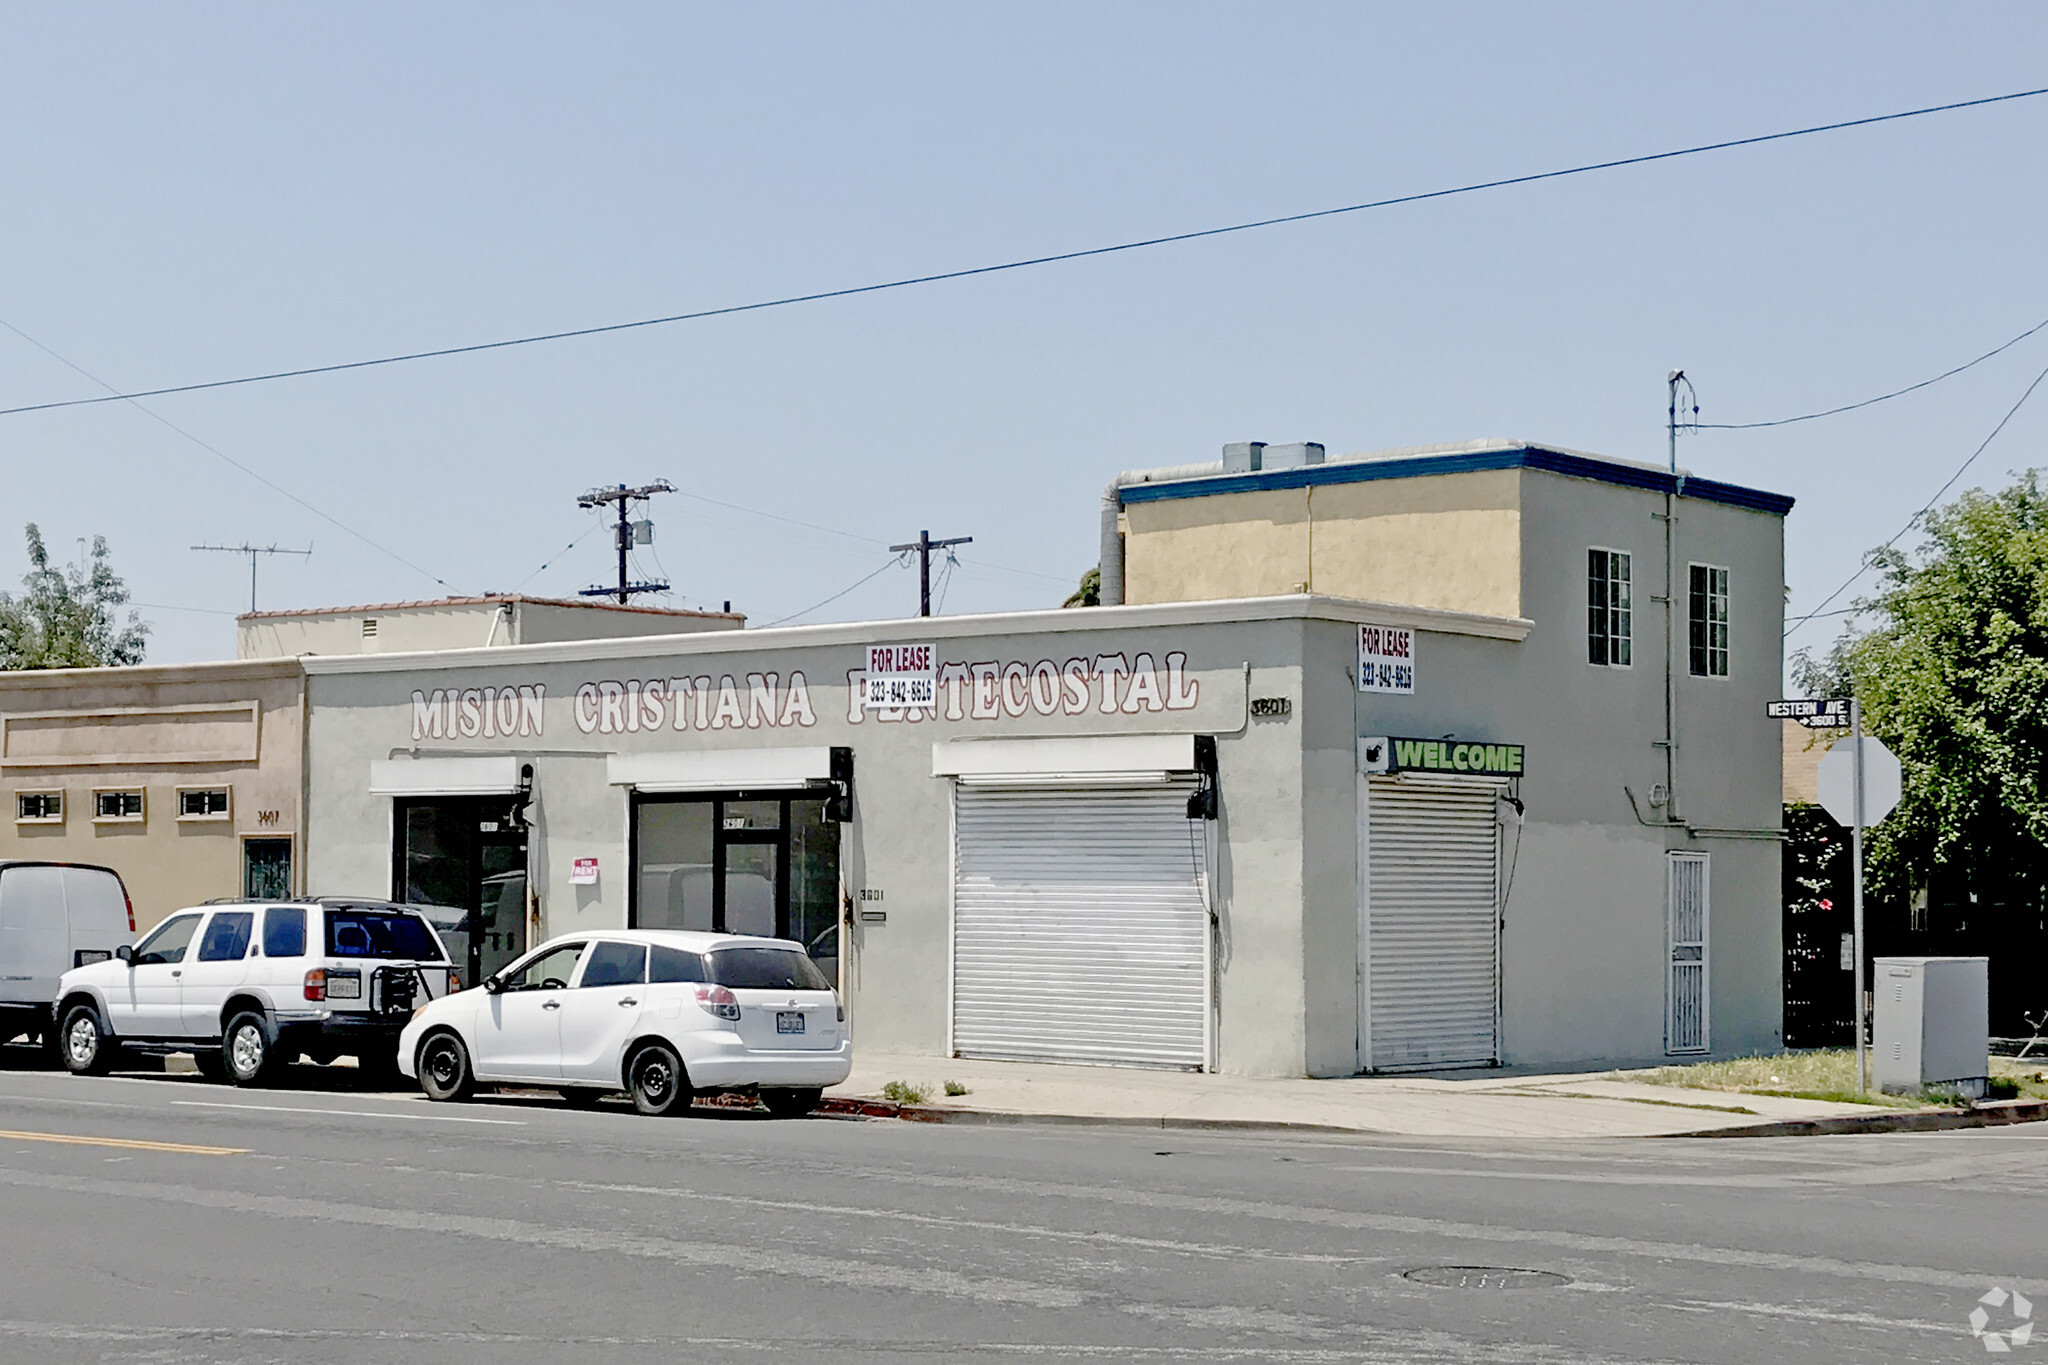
(53, 917)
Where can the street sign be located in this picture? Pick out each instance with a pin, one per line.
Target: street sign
(1822, 713)
(1883, 781)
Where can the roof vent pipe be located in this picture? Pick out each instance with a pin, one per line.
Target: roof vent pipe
(1111, 563)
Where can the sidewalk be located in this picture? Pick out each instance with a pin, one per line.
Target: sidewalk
(1469, 1104)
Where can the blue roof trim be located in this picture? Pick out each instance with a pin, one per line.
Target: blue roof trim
(1519, 457)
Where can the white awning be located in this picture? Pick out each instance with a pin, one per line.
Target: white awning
(719, 769)
(1088, 760)
(497, 775)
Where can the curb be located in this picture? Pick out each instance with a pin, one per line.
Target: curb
(914, 1113)
(1994, 1114)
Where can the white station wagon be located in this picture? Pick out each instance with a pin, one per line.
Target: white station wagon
(661, 1014)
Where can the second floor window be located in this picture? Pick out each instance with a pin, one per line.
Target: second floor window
(1707, 621)
(1608, 608)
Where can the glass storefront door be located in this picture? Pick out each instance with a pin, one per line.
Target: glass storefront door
(462, 860)
(739, 863)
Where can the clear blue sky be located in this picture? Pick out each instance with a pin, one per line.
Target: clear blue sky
(194, 192)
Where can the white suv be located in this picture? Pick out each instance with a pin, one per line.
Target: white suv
(661, 1014)
(244, 987)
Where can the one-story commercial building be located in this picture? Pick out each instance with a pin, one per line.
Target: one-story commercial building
(1448, 790)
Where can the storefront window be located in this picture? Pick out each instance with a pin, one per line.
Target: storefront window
(814, 883)
(462, 862)
(674, 863)
(748, 865)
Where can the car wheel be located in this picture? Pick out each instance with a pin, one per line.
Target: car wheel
(444, 1070)
(212, 1065)
(657, 1082)
(246, 1049)
(83, 1040)
(791, 1103)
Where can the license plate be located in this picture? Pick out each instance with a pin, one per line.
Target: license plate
(789, 1021)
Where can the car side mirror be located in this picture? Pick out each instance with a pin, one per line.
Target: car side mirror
(492, 986)
(126, 954)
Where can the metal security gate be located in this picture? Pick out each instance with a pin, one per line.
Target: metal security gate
(1080, 932)
(1685, 997)
(1431, 923)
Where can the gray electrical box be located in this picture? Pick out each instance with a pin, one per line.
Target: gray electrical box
(1931, 1024)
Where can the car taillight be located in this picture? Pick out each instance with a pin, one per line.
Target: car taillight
(719, 1001)
(316, 984)
(127, 900)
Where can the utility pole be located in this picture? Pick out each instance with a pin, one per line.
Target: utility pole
(245, 548)
(924, 545)
(624, 498)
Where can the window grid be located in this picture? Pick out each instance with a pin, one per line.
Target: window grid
(1609, 609)
(117, 805)
(202, 803)
(39, 807)
(1707, 620)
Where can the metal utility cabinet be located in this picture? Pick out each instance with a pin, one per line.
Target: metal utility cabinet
(1932, 1024)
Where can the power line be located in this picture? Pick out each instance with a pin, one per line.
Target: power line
(1883, 397)
(897, 562)
(166, 606)
(221, 454)
(1028, 262)
(1869, 560)
(588, 531)
(850, 535)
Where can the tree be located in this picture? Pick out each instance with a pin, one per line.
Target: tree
(69, 618)
(1954, 679)
(1089, 594)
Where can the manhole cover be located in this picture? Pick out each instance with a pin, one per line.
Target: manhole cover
(1484, 1277)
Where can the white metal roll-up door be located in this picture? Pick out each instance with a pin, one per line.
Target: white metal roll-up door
(1432, 923)
(1079, 929)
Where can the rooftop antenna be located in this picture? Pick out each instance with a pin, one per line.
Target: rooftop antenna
(629, 533)
(245, 548)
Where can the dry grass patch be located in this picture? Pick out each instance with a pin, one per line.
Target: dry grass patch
(1830, 1074)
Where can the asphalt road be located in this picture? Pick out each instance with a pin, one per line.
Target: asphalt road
(164, 1219)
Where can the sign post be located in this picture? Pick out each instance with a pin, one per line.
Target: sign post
(1856, 856)
(1859, 783)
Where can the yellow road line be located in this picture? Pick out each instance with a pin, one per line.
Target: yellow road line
(131, 1144)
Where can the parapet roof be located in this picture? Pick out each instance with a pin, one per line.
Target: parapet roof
(489, 599)
(1460, 458)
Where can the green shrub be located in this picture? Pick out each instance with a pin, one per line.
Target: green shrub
(955, 1088)
(904, 1092)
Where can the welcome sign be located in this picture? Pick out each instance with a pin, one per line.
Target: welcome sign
(1395, 754)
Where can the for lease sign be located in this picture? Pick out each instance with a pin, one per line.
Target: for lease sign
(1386, 659)
(901, 677)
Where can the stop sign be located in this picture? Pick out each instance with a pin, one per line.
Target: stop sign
(1883, 780)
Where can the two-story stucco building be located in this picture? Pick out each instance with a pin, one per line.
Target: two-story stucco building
(1429, 758)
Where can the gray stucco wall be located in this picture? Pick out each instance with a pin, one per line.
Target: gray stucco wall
(1583, 947)
(899, 842)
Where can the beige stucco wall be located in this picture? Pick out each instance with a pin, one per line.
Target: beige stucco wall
(160, 729)
(459, 624)
(1451, 541)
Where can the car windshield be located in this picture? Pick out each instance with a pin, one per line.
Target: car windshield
(765, 969)
(374, 933)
